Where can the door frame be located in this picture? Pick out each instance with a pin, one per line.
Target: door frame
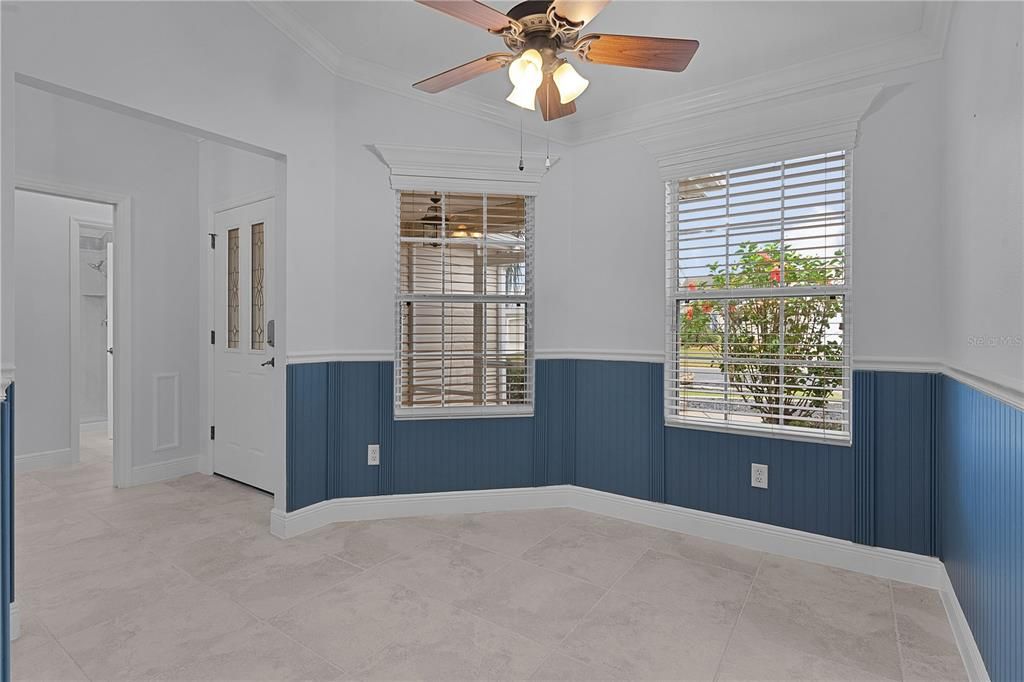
(208, 302)
(75, 225)
(121, 270)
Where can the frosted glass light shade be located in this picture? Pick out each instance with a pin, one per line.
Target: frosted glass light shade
(570, 84)
(524, 65)
(526, 76)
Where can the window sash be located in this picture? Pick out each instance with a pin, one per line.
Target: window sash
(464, 305)
(688, 221)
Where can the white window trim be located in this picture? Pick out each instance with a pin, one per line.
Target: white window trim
(450, 170)
(673, 296)
(788, 128)
(832, 123)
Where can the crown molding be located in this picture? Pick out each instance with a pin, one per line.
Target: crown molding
(352, 68)
(924, 44)
(771, 132)
(455, 169)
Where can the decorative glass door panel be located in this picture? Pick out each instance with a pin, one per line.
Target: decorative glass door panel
(242, 354)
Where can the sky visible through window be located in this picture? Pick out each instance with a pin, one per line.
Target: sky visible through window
(815, 223)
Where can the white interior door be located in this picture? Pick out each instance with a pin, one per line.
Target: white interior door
(243, 355)
(110, 340)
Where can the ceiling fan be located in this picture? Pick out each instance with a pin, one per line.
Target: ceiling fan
(537, 32)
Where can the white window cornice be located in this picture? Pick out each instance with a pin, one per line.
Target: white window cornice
(760, 133)
(451, 169)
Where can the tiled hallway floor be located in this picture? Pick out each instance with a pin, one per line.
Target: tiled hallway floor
(182, 580)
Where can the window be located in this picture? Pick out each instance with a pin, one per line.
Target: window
(464, 304)
(757, 297)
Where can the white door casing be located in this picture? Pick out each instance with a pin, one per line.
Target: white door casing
(110, 341)
(243, 306)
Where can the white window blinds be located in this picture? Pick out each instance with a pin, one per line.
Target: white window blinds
(464, 304)
(757, 268)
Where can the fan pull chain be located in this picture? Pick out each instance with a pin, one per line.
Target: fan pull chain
(521, 166)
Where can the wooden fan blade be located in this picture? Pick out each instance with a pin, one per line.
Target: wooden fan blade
(550, 105)
(579, 12)
(463, 73)
(641, 52)
(470, 11)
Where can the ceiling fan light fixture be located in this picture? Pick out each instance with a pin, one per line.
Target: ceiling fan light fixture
(569, 83)
(525, 74)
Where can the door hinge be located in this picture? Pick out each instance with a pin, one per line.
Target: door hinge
(213, 240)
(213, 432)
(213, 337)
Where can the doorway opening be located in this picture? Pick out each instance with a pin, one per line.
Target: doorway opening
(64, 330)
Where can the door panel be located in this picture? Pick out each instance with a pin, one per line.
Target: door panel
(242, 308)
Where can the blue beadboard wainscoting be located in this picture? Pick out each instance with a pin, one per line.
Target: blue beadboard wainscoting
(981, 499)
(599, 424)
(6, 529)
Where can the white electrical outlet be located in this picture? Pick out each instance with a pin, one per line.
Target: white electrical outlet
(373, 454)
(759, 475)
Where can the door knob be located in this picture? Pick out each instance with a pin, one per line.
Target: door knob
(268, 363)
(111, 350)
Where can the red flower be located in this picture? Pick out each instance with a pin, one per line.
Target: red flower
(689, 312)
(765, 257)
(691, 286)
(775, 275)
(707, 307)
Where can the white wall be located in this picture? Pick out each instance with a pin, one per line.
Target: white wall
(218, 66)
(42, 312)
(363, 293)
(82, 145)
(599, 282)
(982, 278)
(617, 270)
(228, 175)
(616, 274)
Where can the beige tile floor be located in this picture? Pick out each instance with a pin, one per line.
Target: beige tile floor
(181, 580)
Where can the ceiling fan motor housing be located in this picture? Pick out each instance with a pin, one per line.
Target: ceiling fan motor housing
(542, 30)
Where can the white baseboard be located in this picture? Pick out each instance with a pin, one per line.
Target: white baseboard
(973, 662)
(883, 563)
(15, 620)
(97, 425)
(162, 471)
(290, 524)
(43, 460)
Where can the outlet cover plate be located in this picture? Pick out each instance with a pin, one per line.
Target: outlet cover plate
(759, 475)
(373, 454)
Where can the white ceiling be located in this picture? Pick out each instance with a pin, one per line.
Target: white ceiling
(739, 40)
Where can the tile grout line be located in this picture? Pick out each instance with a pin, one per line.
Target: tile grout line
(732, 631)
(896, 629)
(607, 591)
(284, 634)
(266, 622)
(56, 640)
